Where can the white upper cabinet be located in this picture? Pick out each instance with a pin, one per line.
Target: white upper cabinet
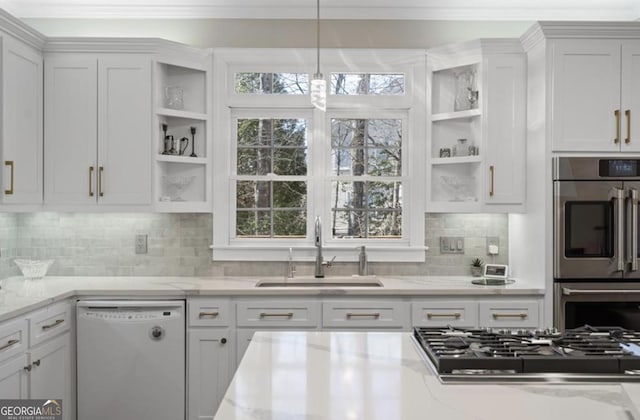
(98, 125)
(595, 88)
(21, 143)
(477, 127)
(505, 130)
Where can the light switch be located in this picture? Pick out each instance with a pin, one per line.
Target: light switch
(451, 245)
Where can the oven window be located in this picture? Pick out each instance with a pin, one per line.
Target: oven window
(589, 229)
(602, 314)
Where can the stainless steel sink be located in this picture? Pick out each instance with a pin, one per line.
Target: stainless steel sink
(331, 282)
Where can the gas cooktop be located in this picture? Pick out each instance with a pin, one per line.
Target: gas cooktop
(587, 354)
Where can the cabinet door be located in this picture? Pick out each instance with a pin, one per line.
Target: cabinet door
(505, 122)
(209, 370)
(21, 123)
(585, 85)
(71, 125)
(13, 378)
(631, 96)
(50, 376)
(124, 130)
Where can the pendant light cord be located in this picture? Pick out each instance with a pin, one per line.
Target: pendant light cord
(317, 37)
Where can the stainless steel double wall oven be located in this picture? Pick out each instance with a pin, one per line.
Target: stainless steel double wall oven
(596, 275)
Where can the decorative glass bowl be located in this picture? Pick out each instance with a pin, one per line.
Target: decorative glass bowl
(33, 269)
(176, 184)
(461, 188)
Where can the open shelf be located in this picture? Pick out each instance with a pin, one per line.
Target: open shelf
(456, 115)
(181, 159)
(456, 160)
(167, 112)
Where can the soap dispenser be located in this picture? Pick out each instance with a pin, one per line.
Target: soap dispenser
(363, 265)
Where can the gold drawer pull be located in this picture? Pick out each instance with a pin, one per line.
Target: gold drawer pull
(375, 315)
(9, 344)
(521, 316)
(284, 314)
(55, 324)
(100, 171)
(91, 181)
(209, 314)
(492, 170)
(627, 113)
(9, 163)
(617, 115)
(455, 315)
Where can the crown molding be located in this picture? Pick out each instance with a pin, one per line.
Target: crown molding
(121, 45)
(579, 30)
(528, 10)
(18, 29)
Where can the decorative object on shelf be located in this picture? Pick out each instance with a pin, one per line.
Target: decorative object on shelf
(476, 267)
(193, 142)
(318, 84)
(466, 91)
(474, 151)
(33, 269)
(173, 96)
(184, 143)
(460, 187)
(176, 184)
(461, 147)
(445, 152)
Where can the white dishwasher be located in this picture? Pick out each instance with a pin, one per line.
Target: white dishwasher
(131, 360)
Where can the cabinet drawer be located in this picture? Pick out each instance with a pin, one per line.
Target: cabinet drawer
(513, 314)
(13, 338)
(287, 313)
(49, 322)
(209, 312)
(365, 314)
(458, 313)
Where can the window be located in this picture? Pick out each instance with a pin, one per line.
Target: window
(279, 163)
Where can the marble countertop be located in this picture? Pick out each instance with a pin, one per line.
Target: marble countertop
(18, 297)
(381, 375)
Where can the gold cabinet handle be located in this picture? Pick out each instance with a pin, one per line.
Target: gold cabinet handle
(100, 171)
(455, 315)
(627, 114)
(91, 181)
(492, 171)
(283, 314)
(617, 114)
(56, 323)
(521, 316)
(10, 164)
(9, 344)
(208, 314)
(375, 315)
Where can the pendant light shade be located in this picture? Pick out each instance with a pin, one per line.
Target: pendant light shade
(318, 84)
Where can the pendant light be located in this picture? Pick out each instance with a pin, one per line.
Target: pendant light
(318, 84)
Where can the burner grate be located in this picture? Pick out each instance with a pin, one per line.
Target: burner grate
(582, 350)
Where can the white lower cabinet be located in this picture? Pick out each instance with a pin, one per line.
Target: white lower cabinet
(441, 313)
(510, 313)
(35, 357)
(211, 359)
(366, 315)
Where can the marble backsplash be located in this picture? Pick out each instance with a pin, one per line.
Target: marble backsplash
(85, 244)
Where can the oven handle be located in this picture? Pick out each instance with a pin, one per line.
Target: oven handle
(619, 228)
(632, 248)
(568, 292)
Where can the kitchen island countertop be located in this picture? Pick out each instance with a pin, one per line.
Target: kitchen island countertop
(381, 375)
(15, 299)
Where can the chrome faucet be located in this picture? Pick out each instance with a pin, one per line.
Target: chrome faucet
(320, 262)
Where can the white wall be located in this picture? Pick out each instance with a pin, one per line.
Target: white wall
(285, 33)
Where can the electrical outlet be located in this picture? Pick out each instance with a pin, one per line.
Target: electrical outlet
(141, 244)
(493, 241)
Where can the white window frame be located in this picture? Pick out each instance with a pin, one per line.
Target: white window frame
(410, 108)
